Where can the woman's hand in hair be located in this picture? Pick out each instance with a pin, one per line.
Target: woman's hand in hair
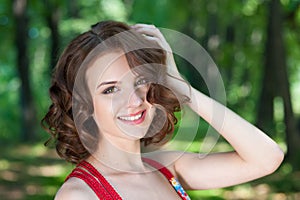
(151, 32)
(174, 79)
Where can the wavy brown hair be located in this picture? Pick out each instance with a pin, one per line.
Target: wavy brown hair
(60, 119)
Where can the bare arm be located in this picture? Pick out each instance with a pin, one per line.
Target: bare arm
(255, 154)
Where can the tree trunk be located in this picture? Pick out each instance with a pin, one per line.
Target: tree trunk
(53, 16)
(276, 83)
(283, 86)
(28, 115)
(265, 117)
(73, 9)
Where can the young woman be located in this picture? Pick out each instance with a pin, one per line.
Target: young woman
(108, 99)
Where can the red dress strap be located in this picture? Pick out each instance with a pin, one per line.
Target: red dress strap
(91, 182)
(174, 182)
(101, 179)
(159, 167)
(103, 189)
(95, 180)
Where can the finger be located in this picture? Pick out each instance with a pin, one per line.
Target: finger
(151, 38)
(165, 46)
(151, 31)
(143, 25)
(147, 29)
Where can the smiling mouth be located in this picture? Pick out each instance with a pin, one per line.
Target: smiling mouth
(135, 119)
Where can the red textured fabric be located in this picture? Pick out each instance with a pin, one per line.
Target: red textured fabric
(173, 181)
(103, 189)
(91, 181)
(159, 167)
(95, 180)
(101, 179)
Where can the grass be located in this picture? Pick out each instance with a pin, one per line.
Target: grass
(30, 172)
(35, 172)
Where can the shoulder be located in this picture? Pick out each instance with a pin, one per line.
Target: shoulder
(167, 159)
(75, 189)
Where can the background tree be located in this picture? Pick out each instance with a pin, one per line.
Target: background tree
(28, 117)
(53, 14)
(276, 84)
(255, 44)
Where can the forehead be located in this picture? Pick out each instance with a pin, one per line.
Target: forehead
(112, 66)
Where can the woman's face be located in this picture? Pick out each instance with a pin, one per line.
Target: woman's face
(119, 97)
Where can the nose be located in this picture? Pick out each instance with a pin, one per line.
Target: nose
(135, 99)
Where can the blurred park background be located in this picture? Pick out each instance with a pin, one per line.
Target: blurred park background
(255, 44)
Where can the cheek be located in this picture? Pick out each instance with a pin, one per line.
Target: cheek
(103, 111)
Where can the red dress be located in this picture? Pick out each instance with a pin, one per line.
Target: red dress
(103, 189)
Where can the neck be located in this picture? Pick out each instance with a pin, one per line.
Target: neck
(118, 156)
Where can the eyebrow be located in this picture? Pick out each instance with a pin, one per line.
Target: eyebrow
(107, 83)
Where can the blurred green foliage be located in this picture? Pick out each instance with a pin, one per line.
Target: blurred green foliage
(233, 32)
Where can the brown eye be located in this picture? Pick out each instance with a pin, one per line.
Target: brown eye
(110, 90)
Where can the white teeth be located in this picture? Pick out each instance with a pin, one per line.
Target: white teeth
(132, 118)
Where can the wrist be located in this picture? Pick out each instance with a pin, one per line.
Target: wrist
(180, 87)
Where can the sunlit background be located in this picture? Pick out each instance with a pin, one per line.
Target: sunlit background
(255, 44)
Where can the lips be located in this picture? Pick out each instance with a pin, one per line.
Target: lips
(136, 118)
